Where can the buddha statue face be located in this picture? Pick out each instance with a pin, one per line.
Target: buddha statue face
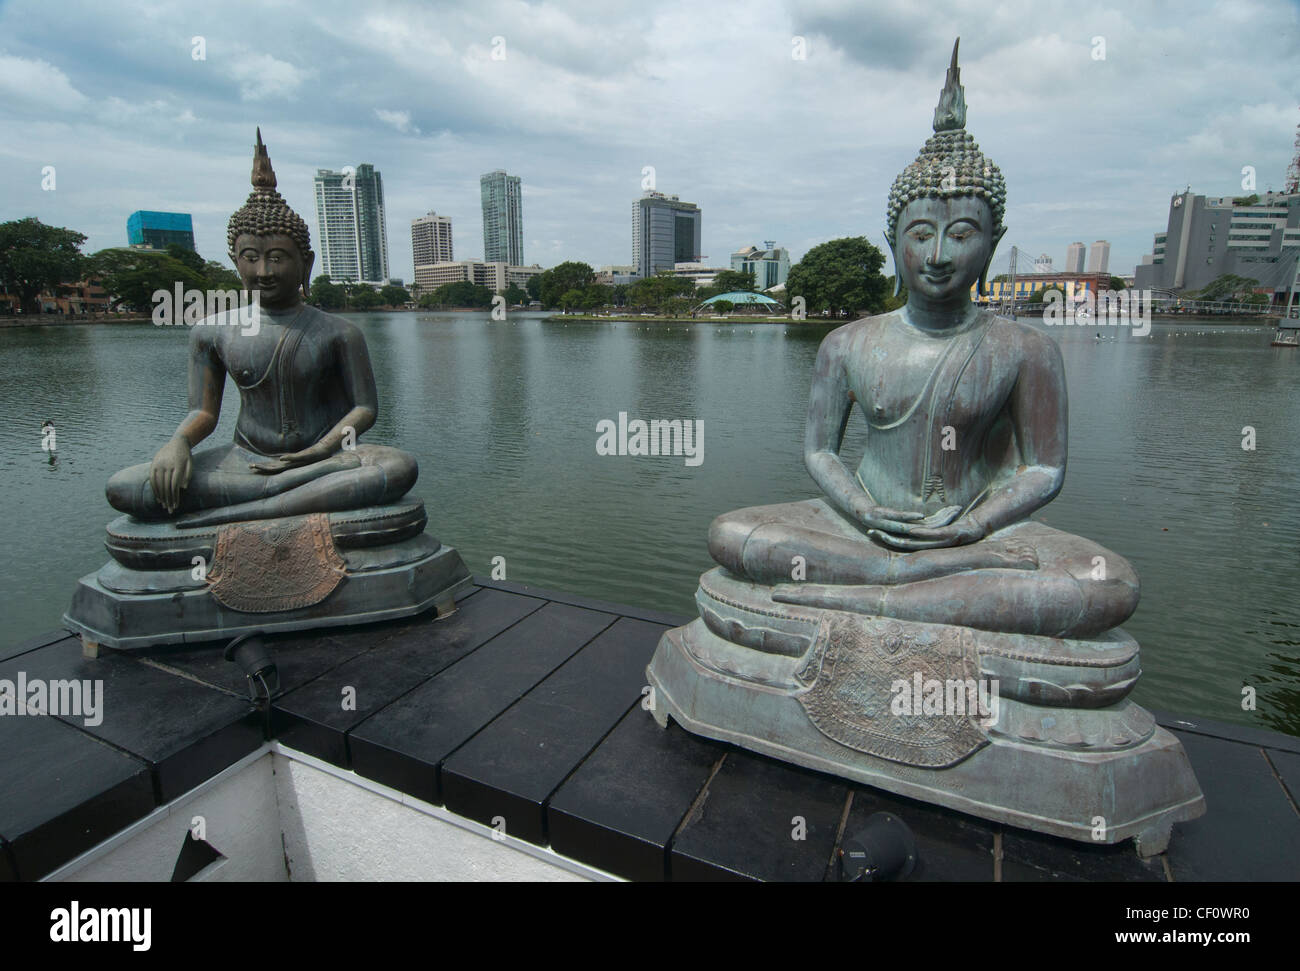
(944, 245)
(273, 266)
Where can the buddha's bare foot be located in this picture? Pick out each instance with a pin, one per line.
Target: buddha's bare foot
(861, 599)
(1015, 556)
(207, 517)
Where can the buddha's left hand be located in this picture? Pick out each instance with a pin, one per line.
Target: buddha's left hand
(961, 532)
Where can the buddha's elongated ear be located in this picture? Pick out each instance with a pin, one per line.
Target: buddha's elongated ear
(983, 287)
(898, 276)
(308, 261)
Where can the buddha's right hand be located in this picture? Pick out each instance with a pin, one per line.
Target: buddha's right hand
(170, 473)
(896, 520)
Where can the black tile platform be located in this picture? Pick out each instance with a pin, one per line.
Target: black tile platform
(526, 705)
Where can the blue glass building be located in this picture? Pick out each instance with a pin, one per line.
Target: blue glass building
(157, 230)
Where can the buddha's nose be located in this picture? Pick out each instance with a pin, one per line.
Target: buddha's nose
(937, 257)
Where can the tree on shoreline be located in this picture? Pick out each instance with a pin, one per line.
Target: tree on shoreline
(556, 283)
(132, 276)
(459, 294)
(36, 257)
(840, 274)
(327, 295)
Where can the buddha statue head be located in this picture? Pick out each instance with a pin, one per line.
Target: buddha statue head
(269, 243)
(946, 208)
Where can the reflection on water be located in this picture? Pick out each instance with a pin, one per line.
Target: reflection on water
(502, 416)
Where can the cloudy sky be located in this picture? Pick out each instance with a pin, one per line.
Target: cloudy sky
(589, 93)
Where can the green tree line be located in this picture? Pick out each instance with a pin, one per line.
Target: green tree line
(839, 275)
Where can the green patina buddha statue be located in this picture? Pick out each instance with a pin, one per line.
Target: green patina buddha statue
(293, 525)
(306, 391)
(923, 564)
(966, 416)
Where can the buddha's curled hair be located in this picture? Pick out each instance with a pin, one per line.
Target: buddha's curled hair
(950, 163)
(265, 213)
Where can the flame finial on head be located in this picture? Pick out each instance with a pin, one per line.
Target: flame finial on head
(950, 163)
(950, 113)
(265, 213)
(263, 174)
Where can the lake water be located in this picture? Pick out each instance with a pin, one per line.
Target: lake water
(503, 416)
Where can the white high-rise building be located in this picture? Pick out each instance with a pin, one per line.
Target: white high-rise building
(431, 239)
(1074, 258)
(1099, 256)
(351, 228)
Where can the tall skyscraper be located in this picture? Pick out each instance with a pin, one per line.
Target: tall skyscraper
(1099, 256)
(157, 230)
(1074, 258)
(431, 239)
(665, 231)
(503, 222)
(351, 228)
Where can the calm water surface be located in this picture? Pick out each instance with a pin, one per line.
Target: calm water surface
(502, 416)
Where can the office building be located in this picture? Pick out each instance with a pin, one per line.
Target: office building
(158, 230)
(665, 232)
(770, 265)
(503, 222)
(700, 273)
(1074, 258)
(351, 227)
(1256, 237)
(431, 240)
(495, 275)
(613, 276)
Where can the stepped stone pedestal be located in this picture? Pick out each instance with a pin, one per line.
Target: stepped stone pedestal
(1041, 735)
(168, 585)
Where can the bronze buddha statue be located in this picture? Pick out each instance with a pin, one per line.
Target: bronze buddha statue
(293, 525)
(923, 564)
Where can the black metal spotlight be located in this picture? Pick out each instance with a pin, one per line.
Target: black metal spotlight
(882, 850)
(251, 653)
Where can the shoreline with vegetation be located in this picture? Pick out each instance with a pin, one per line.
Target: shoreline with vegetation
(678, 319)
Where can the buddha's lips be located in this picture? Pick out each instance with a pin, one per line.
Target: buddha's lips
(937, 277)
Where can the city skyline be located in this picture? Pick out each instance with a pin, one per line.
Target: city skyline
(131, 120)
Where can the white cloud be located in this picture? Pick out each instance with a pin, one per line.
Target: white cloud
(262, 77)
(401, 120)
(37, 83)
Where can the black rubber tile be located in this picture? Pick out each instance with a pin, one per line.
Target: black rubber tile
(1249, 831)
(1031, 857)
(299, 657)
(316, 717)
(63, 792)
(32, 643)
(404, 745)
(1250, 734)
(1287, 765)
(760, 820)
(591, 603)
(186, 731)
(619, 810)
(950, 846)
(510, 768)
